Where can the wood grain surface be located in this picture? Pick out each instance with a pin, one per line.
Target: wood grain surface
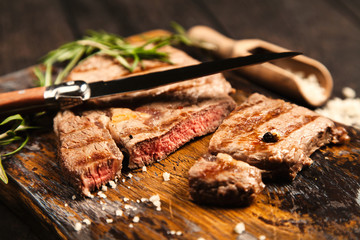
(323, 202)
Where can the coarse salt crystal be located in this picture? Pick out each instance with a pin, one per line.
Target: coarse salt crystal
(239, 228)
(201, 238)
(118, 212)
(125, 199)
(123, 180)
(136, 219)
(172, 232)
(109, 220)
(179, 233)
(65, 204)
(87, 221)
(131, 225)
(103, 208)
(112, 184)
(130, 175)
(348, 92)
(73, 197)
(166, 176)
(144, 199)
(262, 237)
(104, 188)
(144, 169)
(78, 226)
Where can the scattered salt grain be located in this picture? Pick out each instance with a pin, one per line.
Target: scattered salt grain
(78, 226)
(239, 228)
(131, 225)
(201, 238)
(123, 180)
(144, 199)
(178, 233)
(155, 199)
(101, 194)
(348, 92)
(144, 169)
(112, 184)
(65, 204)
(125, 199)
(137, 200)
(103, 208)
(262, 237)
(104, 188)
(87, 221)
(346, 111)
(128, 187)
(73, 197)
(166, 176)
(129, 175)
(136, 219)
(172, 232)
(118, 212)
(109, 220)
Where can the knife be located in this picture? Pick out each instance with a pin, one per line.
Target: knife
(73, 93)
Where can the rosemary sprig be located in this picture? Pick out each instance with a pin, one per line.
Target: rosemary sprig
(128, 55)
(15, 129)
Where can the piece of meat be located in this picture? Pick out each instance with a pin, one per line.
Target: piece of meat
(105, 68)
(88, 156)
(153, 131)
(274, 135)
(222, 180)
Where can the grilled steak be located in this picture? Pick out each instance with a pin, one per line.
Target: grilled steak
(274, 135)
(222, 180)
(105, 68)
(155, 130)
(88, 156)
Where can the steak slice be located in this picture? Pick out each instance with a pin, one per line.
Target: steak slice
(88, 156)
(222, 180)
(274, 135)
(99, 67)
(153, 131)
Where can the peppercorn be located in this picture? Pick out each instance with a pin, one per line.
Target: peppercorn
(270, 137)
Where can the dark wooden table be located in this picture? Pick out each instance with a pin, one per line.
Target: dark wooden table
(326, 30)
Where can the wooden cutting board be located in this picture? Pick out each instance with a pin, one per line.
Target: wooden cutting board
(323, 202)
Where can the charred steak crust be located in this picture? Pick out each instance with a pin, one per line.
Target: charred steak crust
(222, 180)
(298, 132)
(88, 156)
(155, 130)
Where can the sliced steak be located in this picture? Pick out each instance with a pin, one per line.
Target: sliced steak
(222, 180)
(88, 156)
(153, 131)
(274, 135)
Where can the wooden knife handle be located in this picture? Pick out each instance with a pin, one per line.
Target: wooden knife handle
(22, 98)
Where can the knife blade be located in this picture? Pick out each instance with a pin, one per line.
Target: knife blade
(73, 93)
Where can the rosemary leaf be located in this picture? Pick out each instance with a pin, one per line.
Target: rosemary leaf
(3, 176)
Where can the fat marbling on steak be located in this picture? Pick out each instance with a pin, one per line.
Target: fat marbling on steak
(222, 180)
(274, 135)
(88, 156)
